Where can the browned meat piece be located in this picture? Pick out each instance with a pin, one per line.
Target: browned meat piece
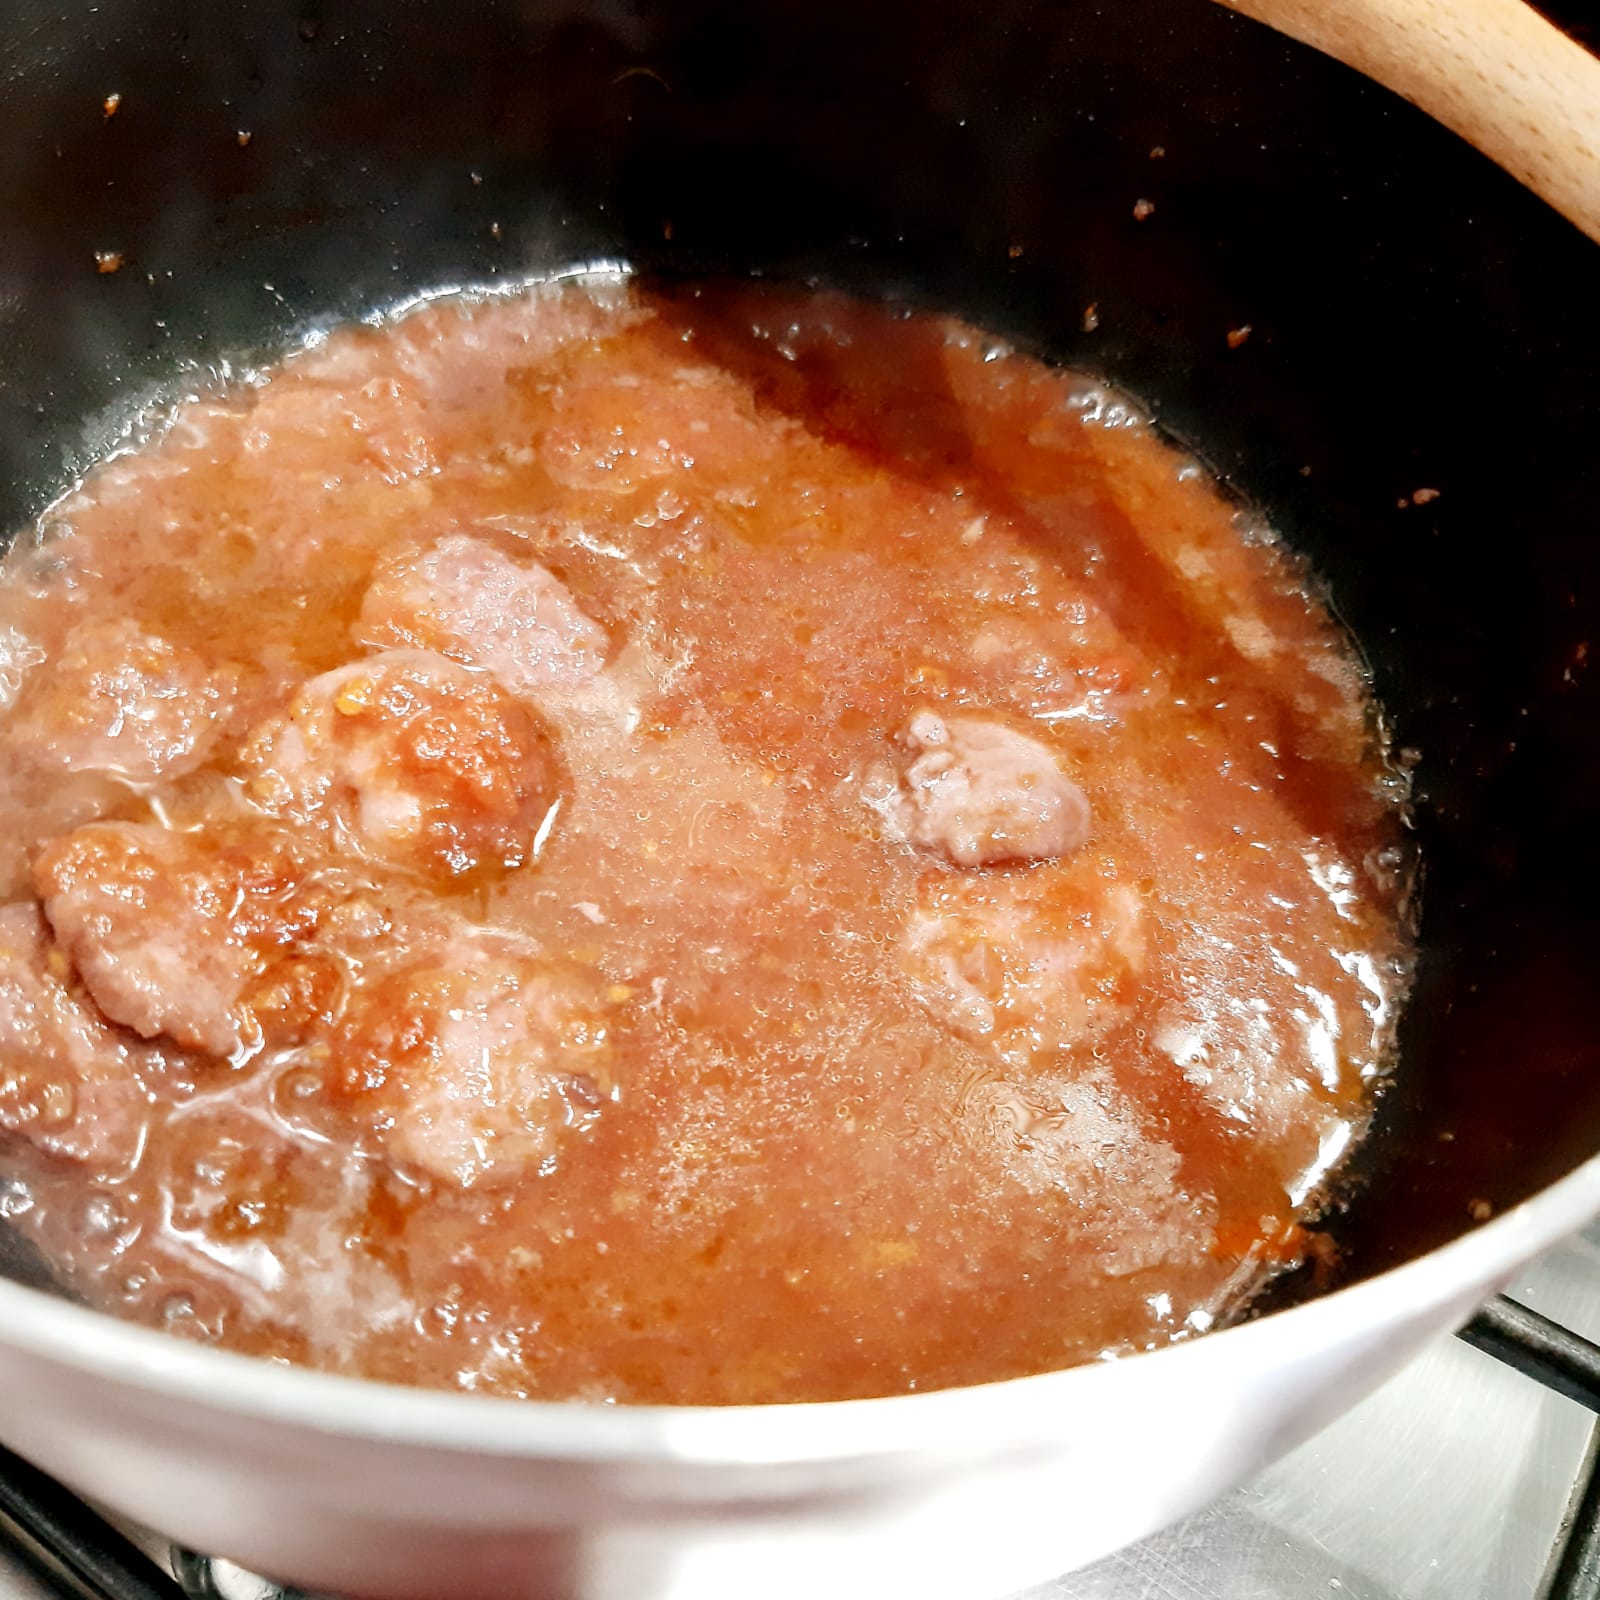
(124, 702)
(979, 793)
(463, 597)
(476, 1060)
(68, 1083)
(410, 759)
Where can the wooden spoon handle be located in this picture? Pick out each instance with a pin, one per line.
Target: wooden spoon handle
(1495, 71)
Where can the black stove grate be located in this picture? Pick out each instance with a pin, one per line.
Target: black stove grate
(68, 1546)
(77, 1554)
(1560, 1360)
(1576, 1572)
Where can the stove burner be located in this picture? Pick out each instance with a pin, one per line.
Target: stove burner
(203, 1578)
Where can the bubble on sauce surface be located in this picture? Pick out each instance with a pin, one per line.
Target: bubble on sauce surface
(16, 1199)
(105, 1226)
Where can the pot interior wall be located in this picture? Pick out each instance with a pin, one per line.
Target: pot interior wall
(1416, 322)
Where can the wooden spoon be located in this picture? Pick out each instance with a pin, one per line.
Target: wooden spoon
(1495, 71)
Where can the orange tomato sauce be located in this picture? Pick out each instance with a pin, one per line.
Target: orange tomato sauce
(713, 847)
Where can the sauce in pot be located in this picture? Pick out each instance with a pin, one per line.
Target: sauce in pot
(724, 847)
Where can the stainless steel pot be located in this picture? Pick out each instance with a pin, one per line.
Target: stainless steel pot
(1417, 321)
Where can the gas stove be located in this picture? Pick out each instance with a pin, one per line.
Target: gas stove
(1473, 1475)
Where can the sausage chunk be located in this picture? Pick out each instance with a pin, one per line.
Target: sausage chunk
(466, 599)
(474, 1061)
(221, 940)
(412, 760)
(69, 1084)
(1029, 964)
(169, 930)
(121, 701)
(979, 793)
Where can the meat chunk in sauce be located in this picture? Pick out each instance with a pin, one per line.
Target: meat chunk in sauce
(69, 1084)
(980, 793)
(125, 702)
(413, 760)
(169, 931)
(465, 598)
(476, 1060)
(721, 847)
(1029, 965)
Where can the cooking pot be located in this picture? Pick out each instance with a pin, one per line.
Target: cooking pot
(1416, 323)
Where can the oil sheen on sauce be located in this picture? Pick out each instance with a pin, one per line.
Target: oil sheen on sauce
(715, 847)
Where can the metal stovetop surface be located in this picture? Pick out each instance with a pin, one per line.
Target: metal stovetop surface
(1452, 1482)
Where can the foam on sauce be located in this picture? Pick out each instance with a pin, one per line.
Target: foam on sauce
(717, 848)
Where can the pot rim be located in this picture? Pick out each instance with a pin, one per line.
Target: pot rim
(160, 1365)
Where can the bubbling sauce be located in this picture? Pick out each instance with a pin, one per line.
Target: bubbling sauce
(717, 847)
